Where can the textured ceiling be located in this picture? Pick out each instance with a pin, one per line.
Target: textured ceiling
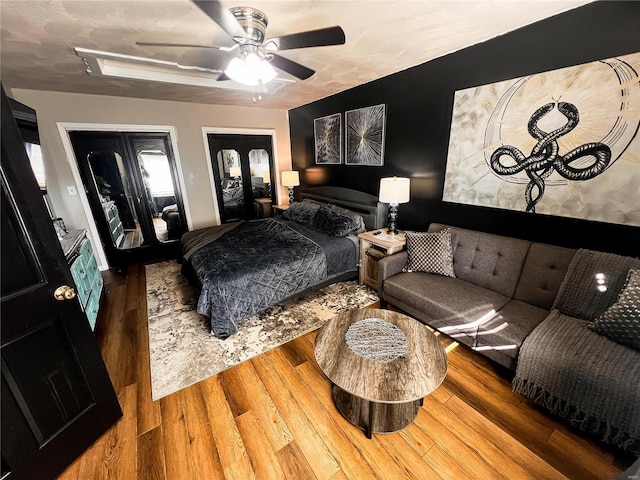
(383, 37)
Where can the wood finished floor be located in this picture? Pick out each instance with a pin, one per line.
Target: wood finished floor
(273, 418)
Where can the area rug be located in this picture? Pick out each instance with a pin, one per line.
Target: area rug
(184, 352)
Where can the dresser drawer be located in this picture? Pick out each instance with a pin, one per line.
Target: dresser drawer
(93, 306)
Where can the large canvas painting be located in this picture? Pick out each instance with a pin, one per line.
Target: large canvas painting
(328, 139)
(563, 142)
(365, 136)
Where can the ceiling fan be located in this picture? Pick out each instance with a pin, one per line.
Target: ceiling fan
(256, 56)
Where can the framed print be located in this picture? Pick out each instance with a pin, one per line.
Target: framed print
(365, 136)
(327, 132)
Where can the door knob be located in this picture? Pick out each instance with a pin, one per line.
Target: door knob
(64, 292)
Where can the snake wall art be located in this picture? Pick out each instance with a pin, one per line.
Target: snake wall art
(562, 142)
(545, 156)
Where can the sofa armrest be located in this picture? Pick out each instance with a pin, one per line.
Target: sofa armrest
(389, 266)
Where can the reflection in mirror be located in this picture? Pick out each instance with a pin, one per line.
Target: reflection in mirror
(259, 166)
(109, 175)
(231, 184)
(158, 186)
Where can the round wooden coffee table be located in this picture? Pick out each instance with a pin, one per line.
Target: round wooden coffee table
(380, 395)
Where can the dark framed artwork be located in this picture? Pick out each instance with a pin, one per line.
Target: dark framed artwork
(327, 132)
(365, 136)
(563, 142)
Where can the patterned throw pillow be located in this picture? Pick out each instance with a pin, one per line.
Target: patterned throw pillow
(430, 253)
(621, 321)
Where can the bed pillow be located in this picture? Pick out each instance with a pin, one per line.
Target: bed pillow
(430, 253)
(332, 223)
(621, 321)
(301, 212)
(351, 214)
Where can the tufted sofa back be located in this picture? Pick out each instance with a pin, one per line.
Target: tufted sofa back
(543, 273)
(490, 261)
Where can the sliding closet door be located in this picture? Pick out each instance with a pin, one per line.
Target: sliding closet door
(243, 173)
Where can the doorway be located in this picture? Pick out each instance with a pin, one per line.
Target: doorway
(130, 179)
(243, 170)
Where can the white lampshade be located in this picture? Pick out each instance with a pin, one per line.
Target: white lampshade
(290, 179)
(266, 176)
(394, 190)
(235, 171)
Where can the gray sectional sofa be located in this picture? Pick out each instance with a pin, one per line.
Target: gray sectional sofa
(527, 306)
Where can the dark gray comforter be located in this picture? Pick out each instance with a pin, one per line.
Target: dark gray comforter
(258, 264)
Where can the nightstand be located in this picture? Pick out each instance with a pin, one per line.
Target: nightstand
(372, 249)
(278, 209)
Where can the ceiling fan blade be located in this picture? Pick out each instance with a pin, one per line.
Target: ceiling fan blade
(186, 45)
(289, 66)
(222, 16)
(313, 38)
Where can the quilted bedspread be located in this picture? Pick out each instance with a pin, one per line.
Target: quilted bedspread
(252, 267)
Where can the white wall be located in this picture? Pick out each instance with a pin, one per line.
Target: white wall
(188, 120)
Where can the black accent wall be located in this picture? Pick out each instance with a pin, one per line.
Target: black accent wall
(419, 103)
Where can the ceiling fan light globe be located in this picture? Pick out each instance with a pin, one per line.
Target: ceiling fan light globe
(250, 70)
(267, 72)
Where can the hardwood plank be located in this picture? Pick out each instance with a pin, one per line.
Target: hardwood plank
(506, 443)
(234, 392)
(323, 416)
(584, 462)
(202, 447)
(135, 275)
(445, 466)
(148, 410)
(294, 463)
(408, 459)
(175, 439)
(263, 458)
(374, 454)
(151, 464)
(462, 454)
(127, 349)
(273, 426)
(417, 439)
(482, 442)
(114, 454)
(322, 462)
(231, 450)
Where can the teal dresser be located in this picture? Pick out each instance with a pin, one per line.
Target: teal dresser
(84, 270)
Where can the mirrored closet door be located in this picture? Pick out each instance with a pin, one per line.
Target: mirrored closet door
(243, 172)
(131, 183)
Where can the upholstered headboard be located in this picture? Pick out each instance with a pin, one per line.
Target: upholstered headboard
(373, 212)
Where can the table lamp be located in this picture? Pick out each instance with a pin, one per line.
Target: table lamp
(236, 173)
(394, 191)
(266, 178)
(290, 179)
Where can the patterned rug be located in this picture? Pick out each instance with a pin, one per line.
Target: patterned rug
(183, 351)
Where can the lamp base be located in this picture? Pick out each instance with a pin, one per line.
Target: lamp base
(291, 199)
(392, 219)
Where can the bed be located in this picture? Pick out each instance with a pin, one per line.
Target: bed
(242, 268)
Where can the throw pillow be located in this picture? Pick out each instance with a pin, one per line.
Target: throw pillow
(301, 212)
(430, 253)
(621, 321)
(332, 223)
(351, 214)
